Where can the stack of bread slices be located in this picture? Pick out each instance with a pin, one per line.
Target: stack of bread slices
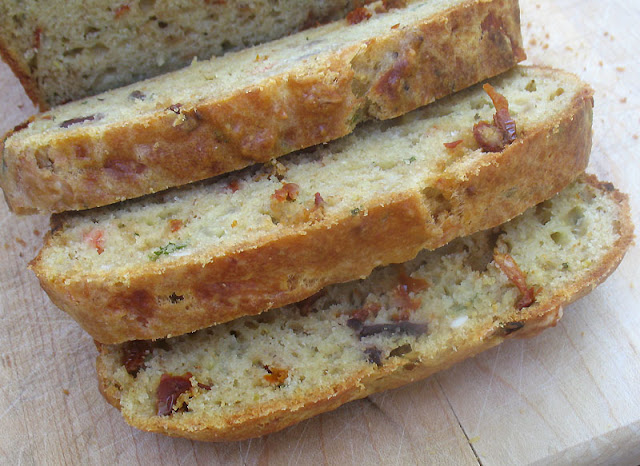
(264, 236)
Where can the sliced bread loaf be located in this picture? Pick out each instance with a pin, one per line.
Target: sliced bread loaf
(67, 50)
(251, 106)
(260, 374)
(186, 259)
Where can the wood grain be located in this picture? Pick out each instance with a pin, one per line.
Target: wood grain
(571, 395)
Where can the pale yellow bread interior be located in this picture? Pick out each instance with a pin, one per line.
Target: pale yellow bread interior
(564, 247)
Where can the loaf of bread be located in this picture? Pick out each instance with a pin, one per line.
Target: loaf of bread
(268, 236)
(251, 106)
(64, 51)
(262, 373)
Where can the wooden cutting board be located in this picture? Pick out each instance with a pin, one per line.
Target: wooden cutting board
(571, 395)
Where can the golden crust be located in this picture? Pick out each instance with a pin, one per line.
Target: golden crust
(433, 58)
(399, 371)
(296, 264)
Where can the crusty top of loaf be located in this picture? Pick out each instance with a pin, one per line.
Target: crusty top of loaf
(64, 51)
(445, 305)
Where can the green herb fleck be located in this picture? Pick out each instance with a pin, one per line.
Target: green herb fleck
(357, 210)
(166, 250)
(410, 160)
(357, 117)
(510, 192)
(565, 266)
(459, 308)
(531, 86)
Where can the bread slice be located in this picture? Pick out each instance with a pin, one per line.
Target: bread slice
(254, 105)
(208, 253)
(259, 374)
(67, 50)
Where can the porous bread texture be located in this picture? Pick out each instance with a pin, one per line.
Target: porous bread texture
(208, 253)
(564, 246)
(251, 106)
(64, 51)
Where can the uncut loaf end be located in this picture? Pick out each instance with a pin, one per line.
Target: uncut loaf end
(259, 374)
(251, 106)
(266, 237)
(67, 50)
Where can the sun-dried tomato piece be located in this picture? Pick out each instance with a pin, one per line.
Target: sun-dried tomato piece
(23, 125)
(401, 316)
(95, 238)
(403, 300)
(169, 389)
(314, 213)
(318, 202)
(527, 299)
(499, 101)
(495, 137)
(452, 145)
(121, 10)
(358, 15)
(276, 375)
(510, 268)
(389, 4)
(506, 125)
(175, 224)
(363, 313)
(401, 293)
(488, 137)
(413, 284)
(134, 354)
(233, 185)
(37, 37)
(288, 192)
(372, 308)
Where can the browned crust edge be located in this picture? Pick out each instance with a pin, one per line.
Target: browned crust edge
(278, 415)
(86, 170)
(291, 266)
